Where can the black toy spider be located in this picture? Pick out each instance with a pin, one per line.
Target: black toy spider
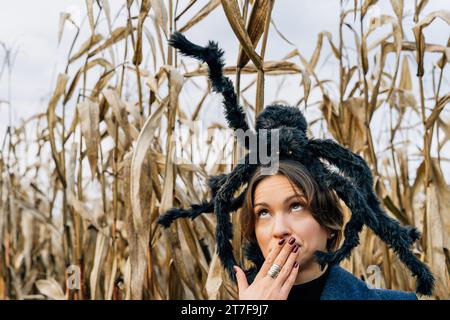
(353, 184)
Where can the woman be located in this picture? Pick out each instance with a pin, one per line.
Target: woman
(305, 164)
(291, 217)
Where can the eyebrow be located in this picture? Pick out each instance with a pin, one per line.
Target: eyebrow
(285, 201)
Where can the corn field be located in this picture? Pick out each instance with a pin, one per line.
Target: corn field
(83, 183)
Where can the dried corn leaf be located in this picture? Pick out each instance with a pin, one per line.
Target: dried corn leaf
(398, 7)
(86, 46)
(120, 112)
(437, 240)
(88, 113)
(51, 288)
(86, 213)
(63, 16)
(107, 9)
(234, 17)
(366, 5)
(143, 144)
(100, 248)
(270, 68)
(200, 15)
(118, 34)
(441, 103)
(420, 41)
(138, 233)
(85, 68)
(145, 7)
(214, 280)
(316, 54)
(160, 10)
(405, 78)
(90, 14)
(255, 28)
(419, 7)
(51, 119)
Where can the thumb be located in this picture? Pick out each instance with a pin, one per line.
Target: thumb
(241, 278)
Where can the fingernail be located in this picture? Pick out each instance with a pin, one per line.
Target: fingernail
(234, 269)
(281, 241)
(291, 240)
(296, 248)
(295, 264)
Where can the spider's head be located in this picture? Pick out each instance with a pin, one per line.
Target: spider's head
(277, 115)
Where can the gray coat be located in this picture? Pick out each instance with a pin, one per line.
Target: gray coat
(342, 285)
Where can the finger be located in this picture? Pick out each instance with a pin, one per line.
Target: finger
(270, 259)
(287, 268)
(285, 252)
(286, 288)
(241, 278)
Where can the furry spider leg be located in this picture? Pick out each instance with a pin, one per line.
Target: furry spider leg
(357, 220)
(399, 238)
(195, 210)
(351, 164)
(354, 167)
(353, 226)
(388, 231)
(292, 141)
(222, 207)
(213, 56)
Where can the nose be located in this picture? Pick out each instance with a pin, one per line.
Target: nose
(281, 228)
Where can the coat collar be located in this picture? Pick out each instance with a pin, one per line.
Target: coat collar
(342, 285)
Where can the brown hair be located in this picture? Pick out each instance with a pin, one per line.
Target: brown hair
(321, 202)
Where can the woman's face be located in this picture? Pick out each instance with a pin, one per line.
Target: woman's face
(280, 214)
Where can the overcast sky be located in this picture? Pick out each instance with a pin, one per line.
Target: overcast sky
(31, 27)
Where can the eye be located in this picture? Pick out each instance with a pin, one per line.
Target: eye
(296, 206)
(262, 213)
